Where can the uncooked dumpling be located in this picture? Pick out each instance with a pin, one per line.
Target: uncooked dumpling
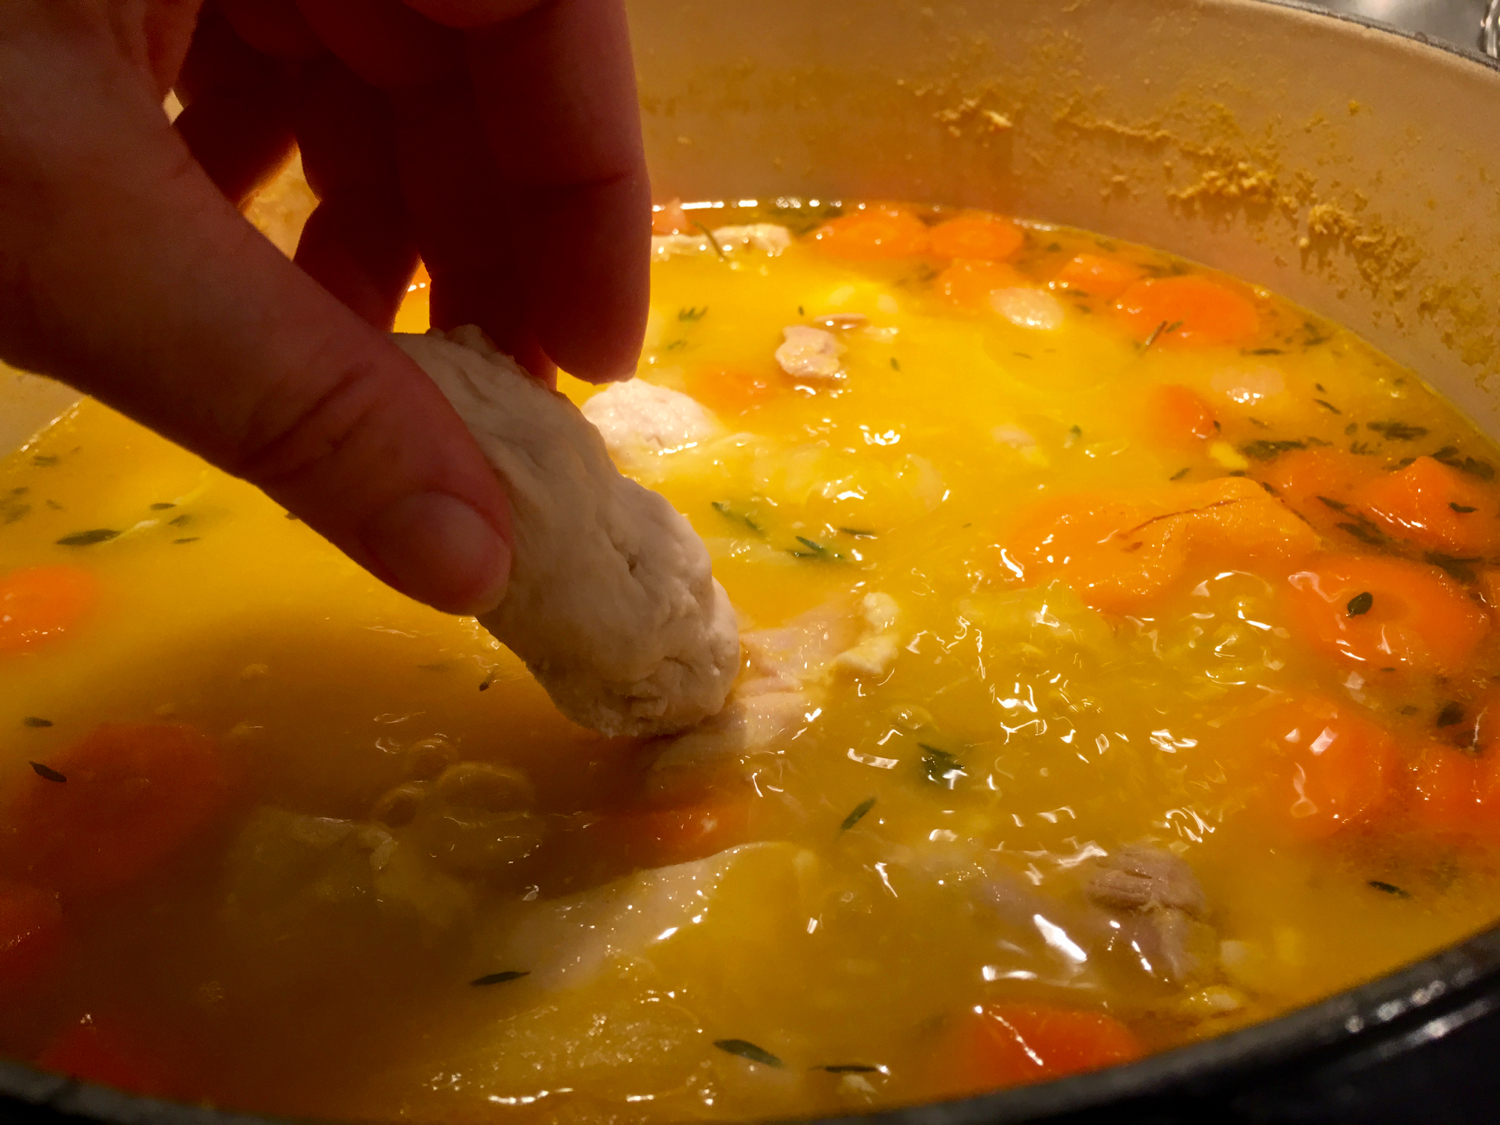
(611, 603)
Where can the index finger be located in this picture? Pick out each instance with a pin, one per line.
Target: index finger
(555, 86)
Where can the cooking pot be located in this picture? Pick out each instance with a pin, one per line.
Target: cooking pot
(1348, 167)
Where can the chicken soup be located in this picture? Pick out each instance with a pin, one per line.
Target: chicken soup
(1117, 669)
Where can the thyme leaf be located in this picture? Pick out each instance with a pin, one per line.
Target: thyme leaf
(1461, 509)
(87, 538)
(1448, 455)
(858, 814)
(1326, 405)
(940, 766)
(1336, 505)
(813, 550)
(1387, 888)
(47, 773)
(712, 241)
(1397, 431)
(725, 509)
(747, 1050)
(1365, 533)
(1452, 712)
(1360, 604)
(1460, 569)
(1267, 449)
(500, 978)
(34, 721)
(692, 312)
(850, 1068)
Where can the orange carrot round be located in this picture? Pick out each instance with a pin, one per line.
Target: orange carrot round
(1187, 310)
(1332, 766)
(981, 237)
(96, 1050)
(39, 603)
(1321, 483)
(1096, 276)
(31, 928)
(968, 284)
(656, 837)
(875, 232)
(1435, 506)
(1117, 550)
(1178, 416)
(995, 1046)
(132, 794)
(729, 390)
(1385, 612)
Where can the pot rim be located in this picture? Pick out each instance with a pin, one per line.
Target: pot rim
(1419, 1002)
(1472, 53)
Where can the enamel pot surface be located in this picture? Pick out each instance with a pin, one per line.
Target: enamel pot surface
(1350, 168)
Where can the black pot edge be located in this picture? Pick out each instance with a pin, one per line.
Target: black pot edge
(1471, 53)
(1371, 1012)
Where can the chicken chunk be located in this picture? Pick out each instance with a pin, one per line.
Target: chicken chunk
(1156, 908)
(637, 416)
(767, 238)
(782, 687)
(611, 603)
(810, 353)
(1144, 878)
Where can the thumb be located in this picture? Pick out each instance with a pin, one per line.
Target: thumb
(124, 272)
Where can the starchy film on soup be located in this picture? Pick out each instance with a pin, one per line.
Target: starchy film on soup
(1117, 667)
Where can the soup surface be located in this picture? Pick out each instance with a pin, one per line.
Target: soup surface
(1119, 670)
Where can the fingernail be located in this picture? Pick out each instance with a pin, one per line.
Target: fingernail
(439, 550)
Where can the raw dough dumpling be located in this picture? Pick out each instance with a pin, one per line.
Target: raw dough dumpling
(611, 603)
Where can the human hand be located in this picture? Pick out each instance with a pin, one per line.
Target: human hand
(498, 139)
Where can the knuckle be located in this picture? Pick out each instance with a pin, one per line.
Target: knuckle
(317, 441)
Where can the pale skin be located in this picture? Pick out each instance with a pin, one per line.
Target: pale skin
(496, 139)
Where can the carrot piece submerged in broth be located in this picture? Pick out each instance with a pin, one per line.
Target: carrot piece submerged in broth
(40, 603)
(1189, 310)
(108, 809)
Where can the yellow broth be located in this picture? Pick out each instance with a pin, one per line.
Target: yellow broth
(293, 955)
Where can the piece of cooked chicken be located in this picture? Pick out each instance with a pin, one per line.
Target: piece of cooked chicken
(611, 602)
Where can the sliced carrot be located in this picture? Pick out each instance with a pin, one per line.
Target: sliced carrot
(1446, 787)
(995, 1046)
(1486, 712)
(657, 837)
(670, 219)
(98, 1051)
(1385, 612)
(1321, 483)
(1178, 416)
(731, 390)
(133, 793)
(1434, 506)
(31, 929)
(1187, 310)
(979, 237)
(1332, 766)
(968, 284)
(1489, 586)
(1095, 276)
(1117, 550)
(874, 232)
(39, 603)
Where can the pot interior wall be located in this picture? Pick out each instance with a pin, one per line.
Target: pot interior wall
(1346, 168)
